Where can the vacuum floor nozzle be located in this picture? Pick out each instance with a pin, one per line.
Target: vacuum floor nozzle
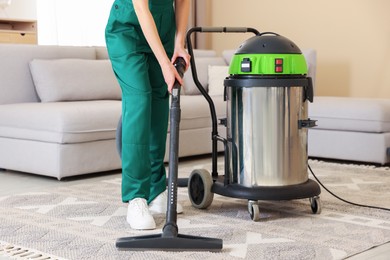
(169, 243)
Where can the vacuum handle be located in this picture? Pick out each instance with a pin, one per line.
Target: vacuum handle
(170, 227)
(180, 66)
(224, 30)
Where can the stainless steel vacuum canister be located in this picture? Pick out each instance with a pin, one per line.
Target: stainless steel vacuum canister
(267, 116)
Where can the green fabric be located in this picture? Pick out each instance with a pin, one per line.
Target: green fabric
(145, 99)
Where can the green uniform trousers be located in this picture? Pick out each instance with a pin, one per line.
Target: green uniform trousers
(145, 99)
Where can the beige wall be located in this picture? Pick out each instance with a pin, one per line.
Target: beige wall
(352, 38)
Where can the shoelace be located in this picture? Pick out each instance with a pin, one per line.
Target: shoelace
(141, 206)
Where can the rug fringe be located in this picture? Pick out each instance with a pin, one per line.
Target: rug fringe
(19, 252)
(356, 165)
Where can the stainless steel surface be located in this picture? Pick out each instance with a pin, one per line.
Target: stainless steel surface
(267, 146)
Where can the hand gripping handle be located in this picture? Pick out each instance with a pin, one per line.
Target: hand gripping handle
(180, 66)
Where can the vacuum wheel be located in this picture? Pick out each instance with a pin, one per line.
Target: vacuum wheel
(315, 204)
(254, 210)
(199, 188)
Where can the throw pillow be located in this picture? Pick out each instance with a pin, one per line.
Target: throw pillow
(74, 80)
(217, 74)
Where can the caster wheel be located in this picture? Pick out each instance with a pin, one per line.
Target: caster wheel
(315, 204)
(254, 210)
(199, 188)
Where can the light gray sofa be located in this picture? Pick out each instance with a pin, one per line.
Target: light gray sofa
(59, 109)
(352, 129)
(54, 130)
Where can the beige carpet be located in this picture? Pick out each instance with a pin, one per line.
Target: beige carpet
(82, 221)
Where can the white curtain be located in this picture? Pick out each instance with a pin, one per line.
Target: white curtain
(82, 22)
(72, 22)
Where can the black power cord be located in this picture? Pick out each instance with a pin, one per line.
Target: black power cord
(346, 201)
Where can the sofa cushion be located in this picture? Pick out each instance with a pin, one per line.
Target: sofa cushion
(86, 121)
(349, 145)
(202, 64)
(15, 75)
(228, 55)
(74, 79)
(195, 111)
(198, 53)
(351, 114)
(101, 53)
(217, 75)
(61, 122)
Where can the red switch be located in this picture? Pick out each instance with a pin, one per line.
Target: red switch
(278, 65)
(278, 61)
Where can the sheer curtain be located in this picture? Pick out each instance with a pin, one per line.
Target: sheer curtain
(82, 22)
(72, 22)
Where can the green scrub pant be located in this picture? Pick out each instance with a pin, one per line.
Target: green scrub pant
(145, 99)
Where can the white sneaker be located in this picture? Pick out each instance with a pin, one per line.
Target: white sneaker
(138, 215)
(159, 204)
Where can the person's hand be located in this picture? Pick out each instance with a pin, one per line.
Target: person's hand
(169, 71)
(181, 52)
(171, 75)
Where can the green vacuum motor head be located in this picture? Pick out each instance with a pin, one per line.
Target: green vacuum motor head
(268, 55)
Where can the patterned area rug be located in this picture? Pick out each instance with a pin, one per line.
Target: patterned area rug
(83, 221)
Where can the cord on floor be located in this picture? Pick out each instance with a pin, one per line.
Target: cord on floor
(346, 201)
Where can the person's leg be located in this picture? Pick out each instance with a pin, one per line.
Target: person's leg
(143, 172)
(132, 74)
(158, 129)
(130, 65)
(136, 120)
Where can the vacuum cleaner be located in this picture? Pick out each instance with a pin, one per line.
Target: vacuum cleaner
(169, 239)
(265, 150)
